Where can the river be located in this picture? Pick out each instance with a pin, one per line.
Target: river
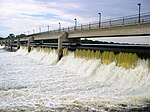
(36, 82)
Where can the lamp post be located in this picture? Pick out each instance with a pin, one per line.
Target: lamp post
(59, 26)
(139, 4)
(48, 28)
(99, 20)
(75, 24)
(33, 31)
(40, 30)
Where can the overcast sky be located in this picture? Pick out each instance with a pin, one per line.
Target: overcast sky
(19, 16)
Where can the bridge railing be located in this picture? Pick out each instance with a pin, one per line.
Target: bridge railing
(116, 22)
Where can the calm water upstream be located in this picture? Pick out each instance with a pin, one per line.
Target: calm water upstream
(35, 82)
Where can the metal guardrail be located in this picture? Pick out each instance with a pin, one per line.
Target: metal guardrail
(109, 23)
(116, 22)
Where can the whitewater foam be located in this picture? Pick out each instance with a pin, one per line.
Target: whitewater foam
(80, 84)
(39, 55)
(1, 46)
(135, 78)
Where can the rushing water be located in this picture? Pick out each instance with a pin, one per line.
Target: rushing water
(35, 82)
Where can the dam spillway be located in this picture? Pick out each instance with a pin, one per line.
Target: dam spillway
(142, 51)
(82, 78)
(35, 81)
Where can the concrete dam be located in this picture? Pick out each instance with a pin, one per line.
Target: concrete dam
(72, 76)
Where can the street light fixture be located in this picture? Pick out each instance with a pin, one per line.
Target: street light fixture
(59, 26)
(75, 24)
(48, 28)
(40, 30)
(99, 20)
(139, 4)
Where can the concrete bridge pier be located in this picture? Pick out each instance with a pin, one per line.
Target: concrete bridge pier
(11, 47)
(1, 42)
(18, 44)
(63, 38)
(29, 43)
(5, 42)
(8, 44)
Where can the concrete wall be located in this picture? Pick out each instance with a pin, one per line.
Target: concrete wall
(133, 30)
(128, 30)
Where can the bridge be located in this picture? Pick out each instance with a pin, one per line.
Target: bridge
(125, 26)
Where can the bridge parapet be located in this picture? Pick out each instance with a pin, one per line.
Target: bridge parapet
(106, 24)
(129, 30)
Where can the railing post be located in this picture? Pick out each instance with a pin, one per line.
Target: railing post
(75, 26)
(59, 27)
(139, 21)
(99, 20)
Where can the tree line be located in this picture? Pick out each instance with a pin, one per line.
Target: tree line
(12, 36)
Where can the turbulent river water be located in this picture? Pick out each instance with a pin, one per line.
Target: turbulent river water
(35, 82)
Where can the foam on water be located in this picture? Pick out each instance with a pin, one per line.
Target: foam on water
(137, 79)
(39, 55)
(72, 84)
(1, 46)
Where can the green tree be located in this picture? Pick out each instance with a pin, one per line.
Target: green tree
(1, 38)
(20, 36)
(11, 36)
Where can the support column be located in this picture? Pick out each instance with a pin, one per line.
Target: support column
(18, 44)
(61, 38)
(9, 42)
(11, 45)
(1, 43)
(29, 43)
(5, 43)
